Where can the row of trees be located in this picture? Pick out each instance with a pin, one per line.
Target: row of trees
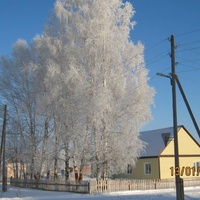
(79, 91)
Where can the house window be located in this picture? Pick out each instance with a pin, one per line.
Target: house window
(166, 137)
(147, 168)
(196, 166)
(129, 169)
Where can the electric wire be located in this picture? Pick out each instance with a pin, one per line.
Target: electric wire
(191, 70)
(188, 49)
(157, 44)
(186, 33)
(188, 62)
(188, 43)
(190, 80)
(187, 53)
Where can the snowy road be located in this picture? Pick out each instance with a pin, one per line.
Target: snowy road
(15, 193)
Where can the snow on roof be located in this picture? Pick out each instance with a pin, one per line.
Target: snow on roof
(156, 140)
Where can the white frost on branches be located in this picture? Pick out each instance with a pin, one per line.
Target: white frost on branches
(94, 79)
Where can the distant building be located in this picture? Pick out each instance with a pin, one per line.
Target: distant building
(16, 170)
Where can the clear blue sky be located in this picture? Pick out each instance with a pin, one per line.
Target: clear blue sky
(156, 21)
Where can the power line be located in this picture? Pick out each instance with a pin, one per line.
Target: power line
(156, 59)
(188, 43)
(187, 79)
(191, 70)
(186, 33)
(195, 61)
(156, 44)
(190, 62)
(188, 49)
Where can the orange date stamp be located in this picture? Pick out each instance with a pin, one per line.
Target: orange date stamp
(187, 171)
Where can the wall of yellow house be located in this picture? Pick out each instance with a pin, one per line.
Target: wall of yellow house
(186, 168)
(189, 152)
(139, 171)
(187, 146)
(165, 164)
(169, 149)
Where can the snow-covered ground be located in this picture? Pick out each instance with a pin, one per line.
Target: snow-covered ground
(15, 193)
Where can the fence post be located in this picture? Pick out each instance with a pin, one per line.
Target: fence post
(89, 192)
(181, 189)
(11, 181)
(129, 186)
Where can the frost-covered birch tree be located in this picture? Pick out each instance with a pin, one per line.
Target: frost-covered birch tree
(81, 88)
(19, 92)
(96, 77)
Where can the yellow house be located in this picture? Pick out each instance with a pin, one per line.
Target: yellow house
(157, 162)
(15, 170)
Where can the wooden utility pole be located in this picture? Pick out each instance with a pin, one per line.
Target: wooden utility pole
(179, 181)
(4, 181)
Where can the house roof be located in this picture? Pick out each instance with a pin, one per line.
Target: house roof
(155, 140)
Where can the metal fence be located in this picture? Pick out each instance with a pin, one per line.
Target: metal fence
(72, 186)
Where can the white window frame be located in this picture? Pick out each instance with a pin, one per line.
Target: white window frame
(196, 166)
(147, 168)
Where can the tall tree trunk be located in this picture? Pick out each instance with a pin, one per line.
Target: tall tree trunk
(67, 151)
(44, 145)
(16, 164)
(97, 153)
(56, 151)
(55, 168)
(105, 158)
(104, 134)
(74, 162)
(85, 147)
(33, 141)
(67, 164)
